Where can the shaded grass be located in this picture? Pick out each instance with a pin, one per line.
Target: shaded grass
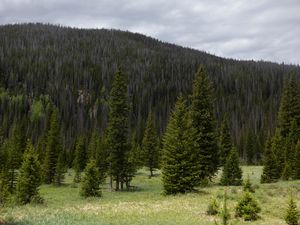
(147, 205)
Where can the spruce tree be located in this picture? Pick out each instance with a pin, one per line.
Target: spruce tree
(292, 215)
(60, 170)
(93, 145)
(150, 145)
(247, 185)
(80, 155)
(204, 125)
(250, 148)
(179, 165)
(117, 130)
(289, 106)
(53, 148)
(90, 185)
(270, 171)
(247, 207)
(296, 162)
(232, 173)
(29, 178)
(225, 142)
(4, 191)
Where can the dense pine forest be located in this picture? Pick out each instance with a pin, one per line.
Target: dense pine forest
(117, 116)
(46, 67)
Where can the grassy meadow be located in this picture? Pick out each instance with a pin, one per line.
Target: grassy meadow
(147, 205)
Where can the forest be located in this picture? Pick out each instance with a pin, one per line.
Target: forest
(93, 109)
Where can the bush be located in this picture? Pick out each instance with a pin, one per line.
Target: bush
(247, 207)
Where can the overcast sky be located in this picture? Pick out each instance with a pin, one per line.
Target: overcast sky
(241, 29)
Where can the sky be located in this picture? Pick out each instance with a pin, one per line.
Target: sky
(241, 29)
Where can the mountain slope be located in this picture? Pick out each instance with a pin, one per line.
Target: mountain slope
(73, 68)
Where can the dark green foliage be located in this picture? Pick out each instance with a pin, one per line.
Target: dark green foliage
(150, 146)
(60, 170)
(232, 173)
(102, 155)
(80, 155)
(289, 106)
(29, 178)
(4, 191)
(93, 146)
(247, 185)
(225, 142)
(204, 125)
(292, 215)
(33, 77)
(213, 207)
(179, 165)
(296, 165)
(90, 184)
(250, 148)
(247, 207)
(53, 148)
(117, 130)
(271, 171)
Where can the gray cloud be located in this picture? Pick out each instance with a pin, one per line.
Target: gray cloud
(258, 29)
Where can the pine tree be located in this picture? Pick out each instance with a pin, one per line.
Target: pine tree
(29, 178)
(60, 170)
(247, 207)
(53, 148)
(289, 106)
(179, 165)
(296, 162)
(4, 191)
(150, 145)
(203, 122)
(225, 142)
(292, 215)
(250, 148)
(270, 171)
(247, 185)
(93, 145)
(90, 185)
(80, 155)
(232, 173)
(117, 130)
(102, 156)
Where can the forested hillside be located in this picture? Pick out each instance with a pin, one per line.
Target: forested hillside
(41, 65)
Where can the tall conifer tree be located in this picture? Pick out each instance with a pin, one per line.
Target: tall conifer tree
(117, 131)
(29, 178)
(53, 148)
(225, 142)
(204, 124)
(150, 145)
(179, 165)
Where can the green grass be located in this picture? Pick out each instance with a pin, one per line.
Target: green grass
(147, 205)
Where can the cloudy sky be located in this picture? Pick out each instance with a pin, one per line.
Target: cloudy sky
(242, 29)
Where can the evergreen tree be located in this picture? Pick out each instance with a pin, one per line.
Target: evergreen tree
(29, 178)
(4, 191)
(247, 207)
(225, 142)
(179, 165)
(60, 170)
(296, 162)
(93, 145)
(80, 155)
(270, 171)
(250, 148)
(203, 122)
(53, 148)
(117, 130)
(289, 106)
(247, 186)
(90, 185)
(102, 155)
(150, 145)
(292, 215)
(232, 173)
